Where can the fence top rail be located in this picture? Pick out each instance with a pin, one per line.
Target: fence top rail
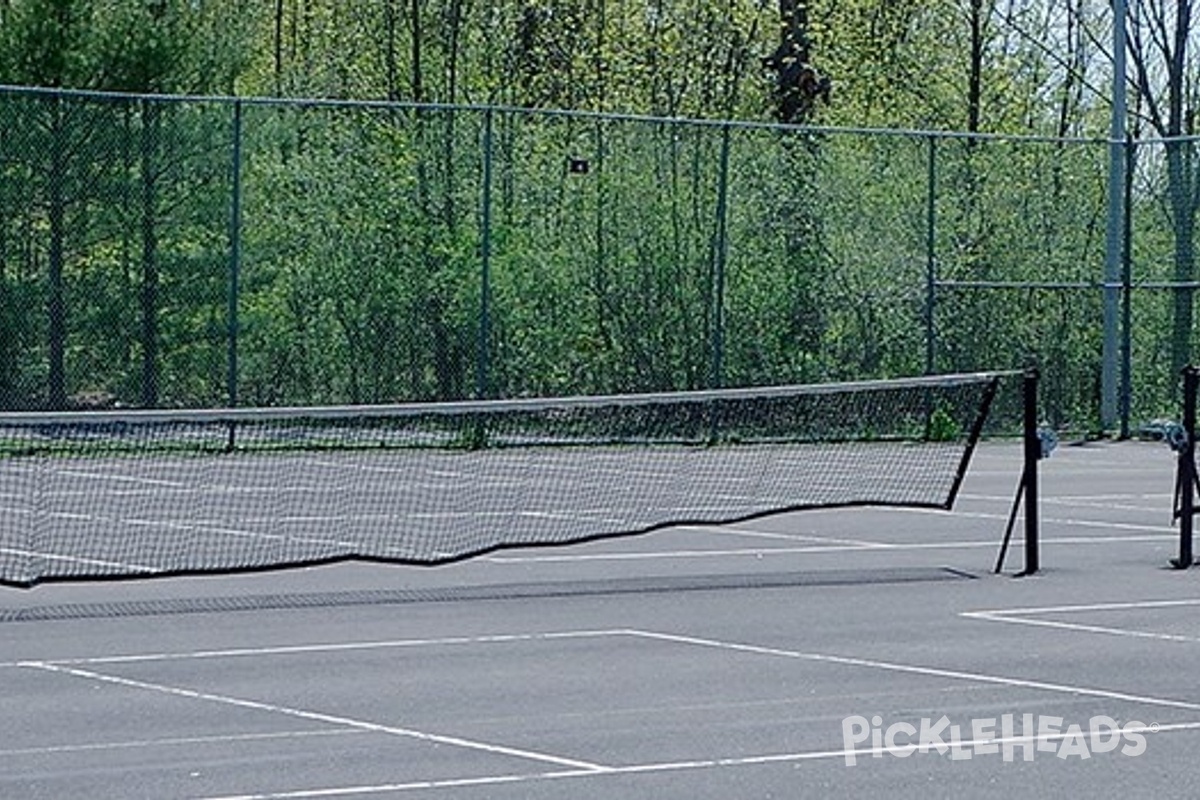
(1160, 141)
(949, 283)
(404, 105)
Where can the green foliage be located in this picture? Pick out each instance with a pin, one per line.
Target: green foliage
(362, 239)
(943, 427)
(362, 230)
(47, 43)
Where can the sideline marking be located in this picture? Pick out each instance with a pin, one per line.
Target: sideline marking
(936, 672)
(1018, 616)
(93, 562)
(139, 744)
(316, 716)
(334, 647)
(578, 769)
(877, 547)
(652, 768)
(729, 530)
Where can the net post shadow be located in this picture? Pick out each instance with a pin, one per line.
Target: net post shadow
(1033, 450)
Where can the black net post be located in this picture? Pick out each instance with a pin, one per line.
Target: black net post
(1185, 476)
(1033, 450)
(1032, 454)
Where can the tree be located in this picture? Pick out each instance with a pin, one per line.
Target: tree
(44, 43)
(798, 84)
(1163, 66)
(160, 46)
(146, 50)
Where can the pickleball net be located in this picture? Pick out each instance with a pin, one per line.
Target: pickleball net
(119, 494)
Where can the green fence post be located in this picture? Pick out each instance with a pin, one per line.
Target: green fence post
(235, 255)
(1126, 398)
(483, 355)
(930, 256)
(720, 256)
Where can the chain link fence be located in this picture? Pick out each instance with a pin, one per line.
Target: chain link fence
(180, 252)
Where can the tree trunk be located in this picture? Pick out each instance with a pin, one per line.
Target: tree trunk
(975, 69)
(278, 47)
(390, 59)
(798, 85)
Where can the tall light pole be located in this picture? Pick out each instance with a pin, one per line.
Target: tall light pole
(1109, 387)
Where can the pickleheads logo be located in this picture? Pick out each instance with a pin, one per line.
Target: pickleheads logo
(1007, 735)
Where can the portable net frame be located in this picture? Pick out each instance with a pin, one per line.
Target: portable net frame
(122, 494)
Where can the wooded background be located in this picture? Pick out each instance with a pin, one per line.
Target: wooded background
(460, 198)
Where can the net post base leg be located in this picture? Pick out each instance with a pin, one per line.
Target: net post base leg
(1008, 529)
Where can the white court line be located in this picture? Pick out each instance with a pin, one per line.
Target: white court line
(118, 477)
(315, 716)
(1064, 502)
(1082, 628)
(1067, 522)
(145, 744)
(1114, 606)
(93, 562)
(586, 769)
(670, 554)
(198, 527)
(1018, 616)
(188, 489)
(67, 664)
(661, 767)
(935, 672)
(1100, 502)
(353, 467)
(877, 547)
(729, 530)
(335, 647)
(1130, 496)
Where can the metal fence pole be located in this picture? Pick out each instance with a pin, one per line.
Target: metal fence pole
(1126, 399)
(482, 355)
(931, 257)
(720, 260)
(1116, 196)
(235, 255)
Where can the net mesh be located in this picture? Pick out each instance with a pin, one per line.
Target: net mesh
(124, 494)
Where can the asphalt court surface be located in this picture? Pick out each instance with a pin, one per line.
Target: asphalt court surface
(700, 662)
